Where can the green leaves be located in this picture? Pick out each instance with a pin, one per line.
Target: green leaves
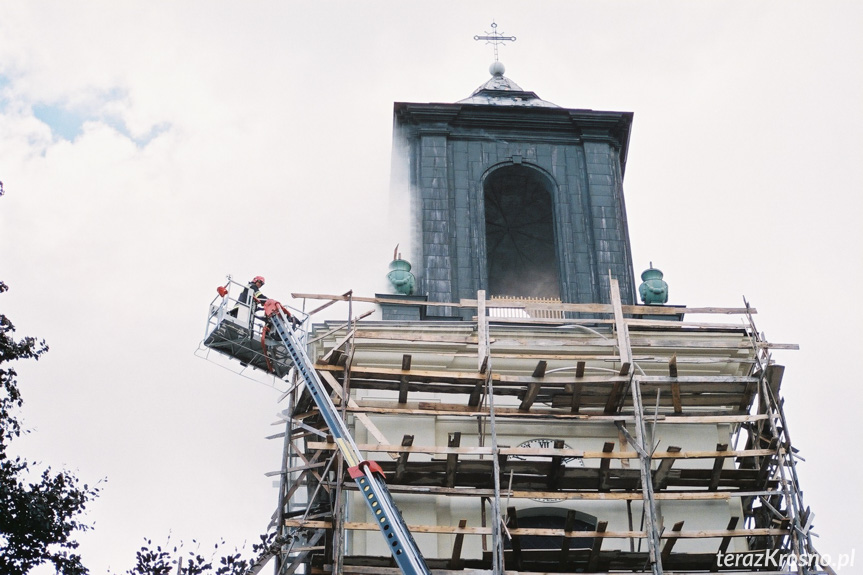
(189, 560)
(39, 519)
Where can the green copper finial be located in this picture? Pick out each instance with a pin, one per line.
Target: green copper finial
(654, 291)
(400, 275)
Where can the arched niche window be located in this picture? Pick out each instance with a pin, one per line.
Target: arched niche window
(519, 234)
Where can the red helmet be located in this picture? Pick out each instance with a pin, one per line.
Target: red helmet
(259, 279)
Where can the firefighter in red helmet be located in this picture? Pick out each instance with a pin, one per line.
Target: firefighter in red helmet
(255, 286)
(251, 296)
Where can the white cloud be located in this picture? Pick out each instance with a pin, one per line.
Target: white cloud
(220, 137)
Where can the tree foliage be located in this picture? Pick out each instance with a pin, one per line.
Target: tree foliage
(38, 517)
(168, 559)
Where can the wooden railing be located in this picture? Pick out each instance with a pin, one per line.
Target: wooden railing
(530, 309)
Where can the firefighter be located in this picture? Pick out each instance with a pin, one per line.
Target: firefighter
(251, 296)
(255, 289)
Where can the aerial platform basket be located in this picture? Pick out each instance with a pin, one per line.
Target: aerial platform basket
(236, 328)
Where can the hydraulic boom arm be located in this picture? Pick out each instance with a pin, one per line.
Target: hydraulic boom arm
(367, 474)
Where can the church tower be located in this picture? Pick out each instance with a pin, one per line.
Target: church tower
(516, 196)
(560, 429)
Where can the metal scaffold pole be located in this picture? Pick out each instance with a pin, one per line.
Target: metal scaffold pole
(644, 457)
(485, 367)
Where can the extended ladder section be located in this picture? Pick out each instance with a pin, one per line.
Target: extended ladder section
(367, 474)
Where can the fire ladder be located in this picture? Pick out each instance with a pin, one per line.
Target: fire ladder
(368, 475)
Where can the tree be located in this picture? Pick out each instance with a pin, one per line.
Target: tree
(38, 519)
(165, 560)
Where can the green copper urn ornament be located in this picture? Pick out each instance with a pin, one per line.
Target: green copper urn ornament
(400, 275)
(653, 290)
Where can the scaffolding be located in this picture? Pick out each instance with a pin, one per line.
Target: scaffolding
(621, 380)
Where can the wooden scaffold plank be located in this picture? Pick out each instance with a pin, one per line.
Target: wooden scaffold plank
(577, 387)
(568, 528)
(516, 303)
(717, 468)
(548, 532)
(723, 545)
(607, 453)
(556, 467)
(660, 476)
(456, 561)
(675, 386)
(512, 521)
(452, 459)
(672, 539)
(593, 562)
(403, 382)
(623, 345)
(604, 465)
(401, 463)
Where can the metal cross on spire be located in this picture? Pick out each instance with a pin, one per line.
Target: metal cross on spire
(495, 38)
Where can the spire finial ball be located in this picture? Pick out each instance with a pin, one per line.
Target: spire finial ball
(496, 69)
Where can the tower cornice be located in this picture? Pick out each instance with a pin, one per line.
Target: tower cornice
(528, 123)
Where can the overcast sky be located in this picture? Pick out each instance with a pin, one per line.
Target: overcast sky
(149, 148)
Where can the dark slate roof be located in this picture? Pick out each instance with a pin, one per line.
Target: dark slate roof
(501, 91)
